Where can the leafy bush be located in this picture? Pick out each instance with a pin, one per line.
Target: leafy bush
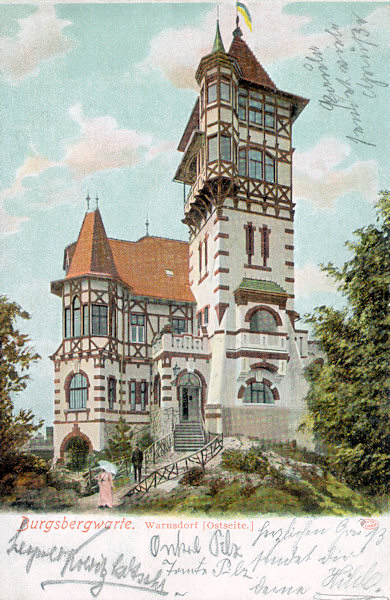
(46, 499)
(146, 440)
(193, 477)
(216, 485)
(251, 461)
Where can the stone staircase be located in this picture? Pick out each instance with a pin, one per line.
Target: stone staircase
(188, 436)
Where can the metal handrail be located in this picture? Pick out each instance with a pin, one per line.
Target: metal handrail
(158, 449)
(173, 470)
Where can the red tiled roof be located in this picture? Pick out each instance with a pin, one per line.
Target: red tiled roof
(92, 253)
(141, 265)
(251, 69)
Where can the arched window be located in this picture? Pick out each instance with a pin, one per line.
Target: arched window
(258, 393)
(262, 320)
(76, 318)
(78, 392)
(189, 380)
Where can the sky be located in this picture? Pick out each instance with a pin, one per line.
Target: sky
(95, 98)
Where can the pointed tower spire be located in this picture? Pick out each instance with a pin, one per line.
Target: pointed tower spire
(88, 199)
(92, 253)
(147, 225)
(218, 43)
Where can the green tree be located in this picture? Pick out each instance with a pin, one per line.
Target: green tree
(119, 444)
(348, 399)
(16, 356)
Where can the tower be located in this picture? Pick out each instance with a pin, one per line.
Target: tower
(237, 160)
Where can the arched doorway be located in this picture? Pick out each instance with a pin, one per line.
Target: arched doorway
(189, 387)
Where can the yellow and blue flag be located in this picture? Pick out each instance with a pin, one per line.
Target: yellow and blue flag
(243, 10)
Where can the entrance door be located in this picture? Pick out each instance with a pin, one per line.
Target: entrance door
(189, 397)
(184, 404)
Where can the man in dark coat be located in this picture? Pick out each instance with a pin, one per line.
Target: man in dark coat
(137, 458)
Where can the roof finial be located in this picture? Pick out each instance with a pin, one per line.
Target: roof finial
(147, 225)
(218, 43)
(237, 32)
(97, 202)
(88, 199)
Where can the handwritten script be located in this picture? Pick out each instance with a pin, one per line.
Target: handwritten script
(351, 83)
(273, 560)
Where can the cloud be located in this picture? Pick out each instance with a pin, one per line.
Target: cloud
(281, 37)
(317, 178)
(40, 38)
(103, 145)
(10, 224)
(311, 279)
(33, 166)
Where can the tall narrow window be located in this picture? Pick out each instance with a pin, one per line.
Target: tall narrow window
(212, 149)
(242, 97)
(111, 392)
(205, 254)
(225, 91)
(199, 320)
(206, 316)
(202, 100)
(67, 322)
(78, 392)
(99, 319)
(255, 109)
(85, 319)
(269, 116)
(76, 318)
(255, 164)
(137, 324)
(242, 161)
(133, 391)
(250, 241)
(212, 92)
(200, 258)
(269, 168)
(113, 319)
(264, 232)
(226, 149)
(144, 394)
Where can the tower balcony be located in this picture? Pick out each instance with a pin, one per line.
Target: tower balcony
(184, 344)
(272, 342)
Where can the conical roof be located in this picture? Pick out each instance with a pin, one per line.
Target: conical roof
(92, 253)
(251, 69)
(218, 43)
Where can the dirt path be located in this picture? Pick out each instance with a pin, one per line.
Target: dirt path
(92, 502)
